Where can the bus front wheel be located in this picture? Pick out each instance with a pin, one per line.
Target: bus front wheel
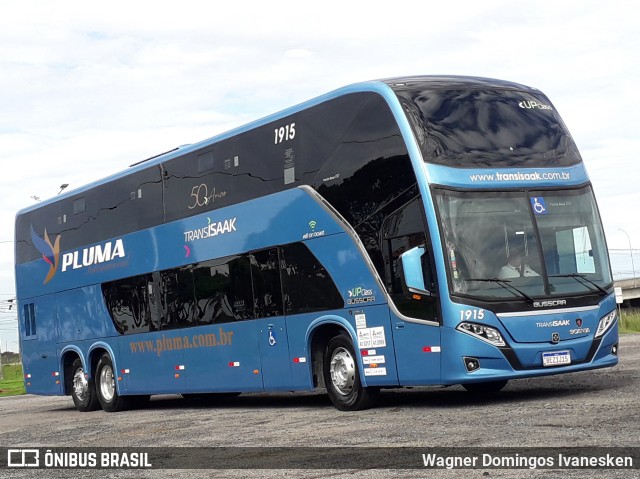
(342, 378)
(82, 389)
(106, 389)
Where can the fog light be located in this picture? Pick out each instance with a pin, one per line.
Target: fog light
(614, 349)
(472, 364)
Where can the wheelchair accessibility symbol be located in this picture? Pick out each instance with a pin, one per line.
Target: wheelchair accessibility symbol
(538, 205)
(272, 339)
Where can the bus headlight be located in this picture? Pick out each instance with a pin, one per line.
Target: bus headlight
(606, 322)
(486, 333)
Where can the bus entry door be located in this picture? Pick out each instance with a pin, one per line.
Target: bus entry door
(274, 353)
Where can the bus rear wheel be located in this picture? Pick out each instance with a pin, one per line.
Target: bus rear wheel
(82, 389)
(342, 378)
(106, 389)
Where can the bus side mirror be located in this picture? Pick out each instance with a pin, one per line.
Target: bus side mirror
(411, 262)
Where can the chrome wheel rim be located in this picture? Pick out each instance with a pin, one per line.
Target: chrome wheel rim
(107, 383)
(80, 384)
(343, 371)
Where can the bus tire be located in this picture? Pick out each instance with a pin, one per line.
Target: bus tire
(486, 387)
(342, 377)
(106, 389)
(83, 391)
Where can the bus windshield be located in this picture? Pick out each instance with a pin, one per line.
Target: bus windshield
(521, 245)
(478, 128)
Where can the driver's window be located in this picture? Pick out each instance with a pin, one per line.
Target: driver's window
(401, 231)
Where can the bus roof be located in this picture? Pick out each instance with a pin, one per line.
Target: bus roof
(385, 87)
(451, 82)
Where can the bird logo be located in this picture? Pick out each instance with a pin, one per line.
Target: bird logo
(50, 252)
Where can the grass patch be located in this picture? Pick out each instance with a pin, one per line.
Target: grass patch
(630, 320)
(12, 383)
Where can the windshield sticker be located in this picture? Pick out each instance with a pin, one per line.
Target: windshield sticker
(557, 204)
(538, 205)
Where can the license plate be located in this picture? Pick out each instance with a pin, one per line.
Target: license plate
(556, 358)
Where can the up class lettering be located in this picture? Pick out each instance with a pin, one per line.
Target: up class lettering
(534, 105)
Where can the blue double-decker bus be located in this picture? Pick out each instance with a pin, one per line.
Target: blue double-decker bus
(413, 231)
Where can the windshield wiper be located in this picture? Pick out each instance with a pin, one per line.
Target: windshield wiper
(578, 277)
(505, 283)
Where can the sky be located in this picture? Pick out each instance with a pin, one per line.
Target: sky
(87, 89)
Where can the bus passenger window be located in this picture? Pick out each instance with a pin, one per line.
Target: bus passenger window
(29, 320)
(128, 301)
(177, 298)
(267, 290)
(306, 283)
(223, 290)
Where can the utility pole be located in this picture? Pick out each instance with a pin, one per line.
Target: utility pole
(631, 254)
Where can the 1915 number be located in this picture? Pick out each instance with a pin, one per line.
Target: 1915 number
(284, 133)
(467, 314)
